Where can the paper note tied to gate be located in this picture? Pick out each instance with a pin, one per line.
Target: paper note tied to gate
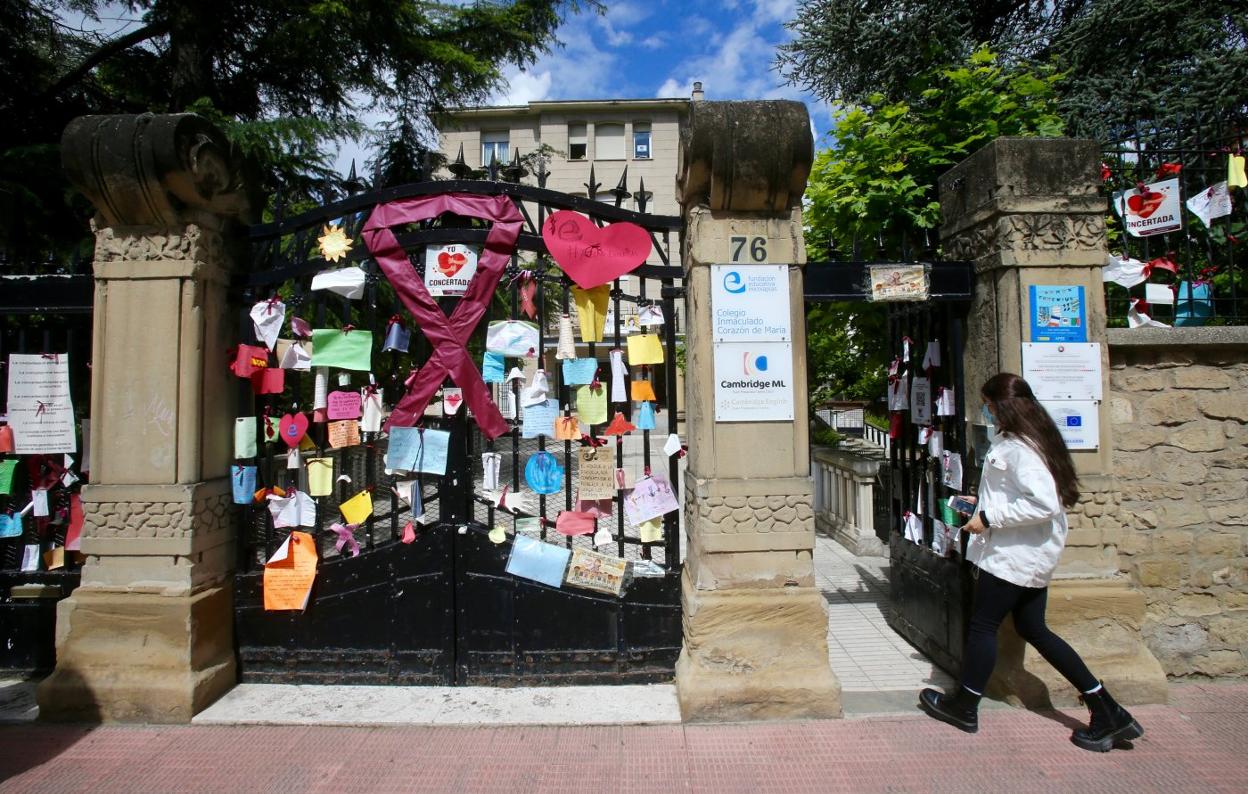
(7, 469)
(344, 433)
(650, 498)
(351, 349)
(644, 349)
(320, 476)
(417, 449)
(596, 473)
(289, 573)
(358, 508)
(591, 404)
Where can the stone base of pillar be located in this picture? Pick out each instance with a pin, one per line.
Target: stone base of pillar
(139, 657)
(755, 654)
(852, 537)
(1101, 620)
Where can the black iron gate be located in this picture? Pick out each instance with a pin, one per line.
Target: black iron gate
(432, 602)
(930, 581)
(50, 315)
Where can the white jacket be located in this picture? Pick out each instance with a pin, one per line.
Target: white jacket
(1019, 497)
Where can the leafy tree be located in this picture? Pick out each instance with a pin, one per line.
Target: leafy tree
(285, 78)
(1123, 61)
(878, 182)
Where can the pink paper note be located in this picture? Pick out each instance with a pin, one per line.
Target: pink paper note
(344, 405)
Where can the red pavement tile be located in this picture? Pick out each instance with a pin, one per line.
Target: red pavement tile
(1194, 744)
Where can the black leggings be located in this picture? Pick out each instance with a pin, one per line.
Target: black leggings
(994, 599)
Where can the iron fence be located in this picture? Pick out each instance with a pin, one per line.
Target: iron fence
(50, 315)
(1202, 266)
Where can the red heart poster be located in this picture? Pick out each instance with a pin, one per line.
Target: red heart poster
(592, 256)
(292, 428)
(1150, 209)
(449, 269)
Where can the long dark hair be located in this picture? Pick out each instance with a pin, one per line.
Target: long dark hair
(1018, 413)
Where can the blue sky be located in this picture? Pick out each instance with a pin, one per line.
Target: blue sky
(643, 49)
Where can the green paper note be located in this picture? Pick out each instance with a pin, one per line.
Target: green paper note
(7, 468)
(332, 347)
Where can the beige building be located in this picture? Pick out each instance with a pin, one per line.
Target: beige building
(607, 135)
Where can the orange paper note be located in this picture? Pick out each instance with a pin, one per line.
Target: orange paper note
(643, 390)
(289, 573)
(344, 434)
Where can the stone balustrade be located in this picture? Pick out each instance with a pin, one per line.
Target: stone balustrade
(846, 494)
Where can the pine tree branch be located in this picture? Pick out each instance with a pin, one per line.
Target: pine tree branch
(105, 51)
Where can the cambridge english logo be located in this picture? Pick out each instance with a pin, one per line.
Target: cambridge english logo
(733, 283)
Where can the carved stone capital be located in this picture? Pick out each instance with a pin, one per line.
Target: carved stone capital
(1045, 231)
(156, 170)
(745, 156)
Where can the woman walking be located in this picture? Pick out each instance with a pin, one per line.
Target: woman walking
(1019, 529)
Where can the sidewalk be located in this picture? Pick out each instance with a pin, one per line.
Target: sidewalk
(1194, 744)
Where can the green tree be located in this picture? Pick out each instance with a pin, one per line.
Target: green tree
(1124, 62)
(285, 78)
(878, 182)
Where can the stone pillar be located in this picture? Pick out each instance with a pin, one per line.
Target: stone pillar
(1028, 211)
(148, 635)
(755, 625)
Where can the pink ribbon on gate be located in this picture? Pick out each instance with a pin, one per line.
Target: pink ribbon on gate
(448, 335)
(346, 537)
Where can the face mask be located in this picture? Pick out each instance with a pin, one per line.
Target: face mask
(989, 420)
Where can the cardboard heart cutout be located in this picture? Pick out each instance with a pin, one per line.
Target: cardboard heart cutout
(592, 256)
(450, 264)
(293, 428)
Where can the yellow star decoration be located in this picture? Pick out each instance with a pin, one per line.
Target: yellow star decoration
(334, 243)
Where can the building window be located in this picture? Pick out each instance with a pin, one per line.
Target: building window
(608, 141)
(494, 148)
(641, 141)
(578, 142)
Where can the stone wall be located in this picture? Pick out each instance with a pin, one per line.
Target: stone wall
(1180, 416)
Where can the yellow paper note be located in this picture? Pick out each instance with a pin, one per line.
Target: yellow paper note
(591, 404)
(1235, 176)
(644, 349)
(498, 535)
(651, 531)
(289, 573)
(320, 476)
(591, 310)
(357, 508)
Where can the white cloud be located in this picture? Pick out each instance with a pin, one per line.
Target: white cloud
(671, 88)
(654, 42)
(524, 87)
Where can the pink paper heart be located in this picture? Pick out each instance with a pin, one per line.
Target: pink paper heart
(592, 256)
(293, 428)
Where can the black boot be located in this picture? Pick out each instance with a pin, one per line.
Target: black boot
(961, 709)
(1109, 723)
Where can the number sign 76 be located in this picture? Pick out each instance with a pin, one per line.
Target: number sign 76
(737, 249)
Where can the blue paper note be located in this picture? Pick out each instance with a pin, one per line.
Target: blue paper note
(243, 478)
(541, 562)
(417, 449)
(492, 367)
(579, 371)
(539, 419)
(645, 416)
(10, 525)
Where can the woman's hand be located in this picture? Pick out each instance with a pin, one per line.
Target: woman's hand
(975, 525)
